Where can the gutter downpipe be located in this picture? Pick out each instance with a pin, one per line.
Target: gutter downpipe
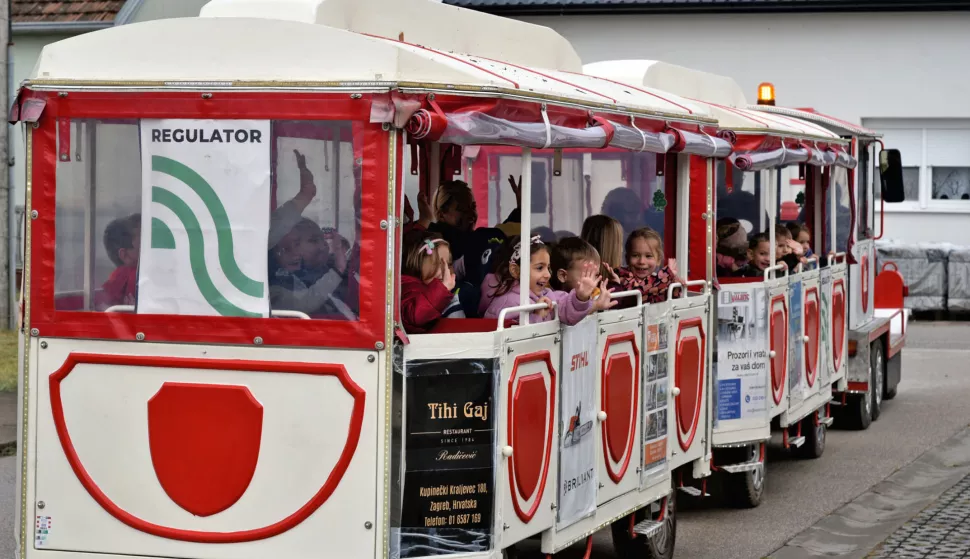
(12, 225)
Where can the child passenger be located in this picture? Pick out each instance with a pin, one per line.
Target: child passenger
(122, 240)
(606, 236)
(802, 236)
(570, 257)
(572, 306)
(732, 246)
(645, 270)
(759, 257)
(426, 282)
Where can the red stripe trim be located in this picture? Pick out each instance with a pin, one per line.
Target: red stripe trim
(446, 55)
(547, 76)
(662, 98)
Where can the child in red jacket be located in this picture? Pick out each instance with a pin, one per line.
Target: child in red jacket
(426, 282)
(122, 239)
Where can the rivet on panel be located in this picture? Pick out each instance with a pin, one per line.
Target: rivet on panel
(207, 96)
(258, 340)
(371, 359)
(34, 214)
(41, 504)
(43, 345)
(379, 346)
(140, 336)
(34, 332)
(368, 524)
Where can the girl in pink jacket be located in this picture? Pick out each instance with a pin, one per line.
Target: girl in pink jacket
(502, 288)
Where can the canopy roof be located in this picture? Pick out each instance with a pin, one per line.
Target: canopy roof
(838, 126)
(288, 46)
(722, 95)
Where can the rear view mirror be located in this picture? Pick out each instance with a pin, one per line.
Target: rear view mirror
(891, 172)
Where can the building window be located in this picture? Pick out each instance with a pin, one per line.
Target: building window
(911, 183)
(936, 161)
(951, 183)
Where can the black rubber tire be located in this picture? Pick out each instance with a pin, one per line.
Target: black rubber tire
(660, 546)
(815, 435)
(877, 381)
(745, 490)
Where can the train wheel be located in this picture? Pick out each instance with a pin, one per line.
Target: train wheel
(658, 546)
(745, 490)
(814, 444)
(877, 366)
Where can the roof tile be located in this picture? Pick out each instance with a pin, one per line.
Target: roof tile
(61, 11)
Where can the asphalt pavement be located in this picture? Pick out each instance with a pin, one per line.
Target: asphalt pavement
(930, 409)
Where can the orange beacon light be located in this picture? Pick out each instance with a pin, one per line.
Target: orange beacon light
(766, 94)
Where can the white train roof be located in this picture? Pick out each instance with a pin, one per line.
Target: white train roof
(293, 49)
(722, 95)
(423, 22)
(838, 126)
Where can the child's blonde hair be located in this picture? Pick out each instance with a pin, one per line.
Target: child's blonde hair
(419, 248)
(647, 234)
(455, 195)
(606, 236)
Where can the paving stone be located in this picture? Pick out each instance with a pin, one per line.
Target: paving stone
(940, 531)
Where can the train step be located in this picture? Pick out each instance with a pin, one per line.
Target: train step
(795, 442)
(647, 528)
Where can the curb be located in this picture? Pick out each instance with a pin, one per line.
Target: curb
(854, 530)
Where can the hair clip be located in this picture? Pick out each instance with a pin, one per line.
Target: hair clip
(517, 251)
(429, 245)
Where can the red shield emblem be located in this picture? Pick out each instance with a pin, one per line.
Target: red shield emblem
(204, 442)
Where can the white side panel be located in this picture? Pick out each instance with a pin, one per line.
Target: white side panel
(862, 277)
(529, 383)
(111, 425)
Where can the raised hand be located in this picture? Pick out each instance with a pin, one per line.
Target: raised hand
(796, 247)
(612, 273)
(307, 187)
(603, 301)
(447, 277)
(425, 211)
(672, 265)
(588, 282)
(516, 189)
(337, 250)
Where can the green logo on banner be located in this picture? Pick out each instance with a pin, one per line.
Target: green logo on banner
(162, 237)
(659, 200)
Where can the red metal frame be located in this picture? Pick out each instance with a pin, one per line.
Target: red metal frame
(269, 531)
(698, 323)
(526, 515)
(617, 477)
(362, 334)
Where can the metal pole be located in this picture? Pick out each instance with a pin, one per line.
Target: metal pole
(525, 237)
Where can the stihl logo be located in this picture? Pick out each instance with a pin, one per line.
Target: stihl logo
(580, 360)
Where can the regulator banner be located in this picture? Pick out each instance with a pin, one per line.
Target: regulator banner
(741, 375)
(205, 215)
(577, 449)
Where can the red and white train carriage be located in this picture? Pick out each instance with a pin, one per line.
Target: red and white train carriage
(229, 408)
(202, 416)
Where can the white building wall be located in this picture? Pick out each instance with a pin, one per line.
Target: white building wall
(860, 67)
